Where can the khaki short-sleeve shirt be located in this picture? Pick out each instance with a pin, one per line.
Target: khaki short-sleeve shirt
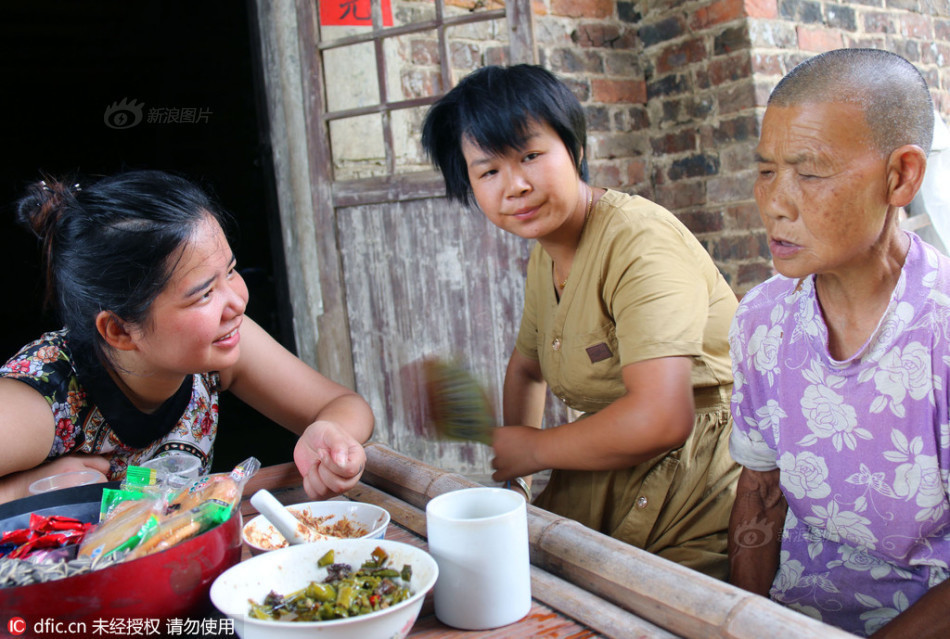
(641, 287)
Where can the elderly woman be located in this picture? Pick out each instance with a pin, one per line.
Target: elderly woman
(841, 360)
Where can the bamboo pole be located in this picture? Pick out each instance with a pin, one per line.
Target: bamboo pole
(560, 595)
(675, 598)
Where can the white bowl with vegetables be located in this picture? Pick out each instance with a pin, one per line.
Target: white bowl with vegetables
(289, 582)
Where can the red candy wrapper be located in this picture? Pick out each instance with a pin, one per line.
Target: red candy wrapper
(44, 532)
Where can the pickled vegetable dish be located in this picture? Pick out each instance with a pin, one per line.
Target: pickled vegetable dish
(343, 593)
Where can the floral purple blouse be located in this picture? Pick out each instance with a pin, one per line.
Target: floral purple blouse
(863, 445)
(81, 427)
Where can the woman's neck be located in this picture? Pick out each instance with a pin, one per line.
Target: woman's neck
(146, 392)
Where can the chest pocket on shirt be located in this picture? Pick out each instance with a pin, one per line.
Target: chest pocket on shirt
(592, 366)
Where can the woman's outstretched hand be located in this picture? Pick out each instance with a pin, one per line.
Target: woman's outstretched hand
(329, 459)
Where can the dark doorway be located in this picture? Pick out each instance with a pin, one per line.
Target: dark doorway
(97, 87)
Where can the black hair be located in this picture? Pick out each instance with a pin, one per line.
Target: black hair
(111, 245)
(495, 108)
(890, 90)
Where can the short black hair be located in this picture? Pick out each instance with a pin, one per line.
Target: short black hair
(890, 90)
(495, 107)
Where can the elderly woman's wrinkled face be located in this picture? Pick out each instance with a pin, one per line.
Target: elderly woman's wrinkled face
(820, 189)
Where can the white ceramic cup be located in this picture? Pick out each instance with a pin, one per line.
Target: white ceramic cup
(479, 538)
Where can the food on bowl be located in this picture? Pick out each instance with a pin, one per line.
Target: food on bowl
(342, 594)
(311, 527)
(293, 568)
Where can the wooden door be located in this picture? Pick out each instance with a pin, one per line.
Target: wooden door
(403, 273)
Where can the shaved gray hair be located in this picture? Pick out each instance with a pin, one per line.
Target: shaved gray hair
(891, 91)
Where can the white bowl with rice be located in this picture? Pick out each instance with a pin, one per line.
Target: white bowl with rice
(319, 520)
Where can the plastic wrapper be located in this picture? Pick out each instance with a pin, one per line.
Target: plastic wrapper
(43, 533)
(163, 515)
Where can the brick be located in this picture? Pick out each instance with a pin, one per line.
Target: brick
(624, 144)
(633, 119)
(604, 35)
(464, 56)
(623, 63)
(841, 17)
(916, 26)
(597, 117)
(942, 29)
(937, 54)
(666, 29)
(718, 12)
(580, 89)
(699, 108)
(906, 5)
(742, 128)
(736, 97)
(772, 34)
(728, 189)
(616, 91)
(729, 69)
(679, 142)
(761, 8)
(636, 171)
(752, 274)
(419, 83)
(865, 42)
(731, 40)
(907, 48)
(744, 215)
(699, 165)
(727, 248)
(818, 40)
(575, 61)
(670, 85)
(424, 51)
(803, 11)
(583, 8)
(606, 175)
(767, 64)
(681, 195)
(699, 222)
(880, 22)
(680, 55)
(737, 157)
(627, 12)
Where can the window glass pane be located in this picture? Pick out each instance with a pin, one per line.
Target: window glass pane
(350, 74)
(356, 145)
(412, 66)
(407, 136)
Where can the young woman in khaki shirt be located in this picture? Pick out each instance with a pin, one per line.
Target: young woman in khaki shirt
(626, 320)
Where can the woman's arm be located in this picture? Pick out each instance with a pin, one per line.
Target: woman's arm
(755, 530)
(524, 391)
(655, 415)
(27, 431)
(333, 422)
(926, 619)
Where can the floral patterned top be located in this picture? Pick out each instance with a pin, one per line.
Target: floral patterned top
(863, 445)
(81, 426)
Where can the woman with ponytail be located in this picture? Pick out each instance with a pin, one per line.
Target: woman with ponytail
(140, 270)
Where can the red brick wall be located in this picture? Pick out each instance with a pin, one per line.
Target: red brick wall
(674, 92)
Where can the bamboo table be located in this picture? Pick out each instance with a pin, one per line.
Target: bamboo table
(584, 584)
